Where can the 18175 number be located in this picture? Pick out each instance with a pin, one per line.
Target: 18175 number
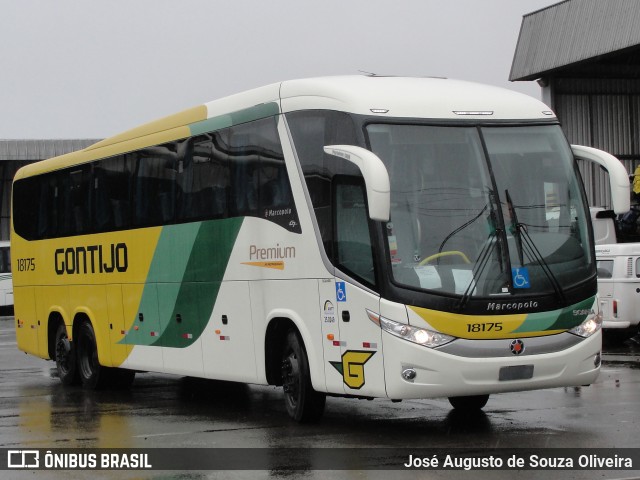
(26, 264)
(484, 327)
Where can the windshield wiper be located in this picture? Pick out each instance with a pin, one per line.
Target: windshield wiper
(523, 239)
(515, 227)
(495, 237)
(481, 264)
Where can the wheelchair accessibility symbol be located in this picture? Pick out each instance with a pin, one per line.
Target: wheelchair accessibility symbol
(341, 292)
(520, 277)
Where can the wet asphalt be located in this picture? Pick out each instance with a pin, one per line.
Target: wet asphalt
(162, 411)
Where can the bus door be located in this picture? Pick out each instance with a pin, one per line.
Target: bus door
(330, 335)
(360, 365)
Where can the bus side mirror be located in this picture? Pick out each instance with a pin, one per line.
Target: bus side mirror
(376, 177)
(618, 178)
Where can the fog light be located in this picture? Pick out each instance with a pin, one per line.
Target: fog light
(597, 360)
(409, 374)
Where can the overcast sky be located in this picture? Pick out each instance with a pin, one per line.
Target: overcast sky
(91, 69)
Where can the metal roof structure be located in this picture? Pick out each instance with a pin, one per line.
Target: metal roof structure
(30, 150)
(574, 31)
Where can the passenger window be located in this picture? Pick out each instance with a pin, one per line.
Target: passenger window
(155, 185)
(72, 197)
(113, 193)
(352, 237)
(311, 131)
(260, 184)
(231, 172)
(203, 177)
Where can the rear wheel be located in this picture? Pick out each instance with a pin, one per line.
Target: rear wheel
(470, 403)
(65, 358)
(303, 403)
(92, 375)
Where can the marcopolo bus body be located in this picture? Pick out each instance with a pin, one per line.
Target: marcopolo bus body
(361, 236)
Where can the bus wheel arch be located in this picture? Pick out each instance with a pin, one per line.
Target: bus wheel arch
(274, 342)
(53, 322)
(287, 364)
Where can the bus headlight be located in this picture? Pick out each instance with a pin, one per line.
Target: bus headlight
(591, 325)
(421, 336)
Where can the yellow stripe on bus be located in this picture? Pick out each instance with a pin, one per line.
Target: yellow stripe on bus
(475, 326)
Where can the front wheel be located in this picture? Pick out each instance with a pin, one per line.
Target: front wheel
(303, 403)
(470, 403)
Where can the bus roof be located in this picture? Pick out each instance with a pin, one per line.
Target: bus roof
(420, 97)
(382, 96)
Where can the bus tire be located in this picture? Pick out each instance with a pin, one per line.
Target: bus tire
(469, 403)
(303, 403)
(92, 375)
(65, 353)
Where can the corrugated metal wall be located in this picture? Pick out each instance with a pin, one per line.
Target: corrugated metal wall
(573, 31)
(600, 113)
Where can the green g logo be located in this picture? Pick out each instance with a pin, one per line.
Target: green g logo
(352, 367)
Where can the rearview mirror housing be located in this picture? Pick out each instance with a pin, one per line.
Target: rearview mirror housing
(376, 178)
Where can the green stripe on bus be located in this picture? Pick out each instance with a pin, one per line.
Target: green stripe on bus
(561, 319)
(183, 283)
(241, 116)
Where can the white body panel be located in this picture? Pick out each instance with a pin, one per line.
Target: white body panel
(439, 374)
(6, 283)
(619, 284)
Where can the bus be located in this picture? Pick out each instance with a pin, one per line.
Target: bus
(356, 236)
(6, 283)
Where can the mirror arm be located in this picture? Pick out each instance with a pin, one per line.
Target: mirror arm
(618, 178)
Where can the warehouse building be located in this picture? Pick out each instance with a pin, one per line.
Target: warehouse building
(585, 54)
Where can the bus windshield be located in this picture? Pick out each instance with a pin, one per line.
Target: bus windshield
(480, 211)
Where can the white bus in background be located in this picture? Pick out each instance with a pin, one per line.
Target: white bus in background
(6, 283)
(358, 236)
(619, 284)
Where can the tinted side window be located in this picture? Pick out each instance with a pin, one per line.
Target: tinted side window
(113, 181)
(232, 172)
(203, 177)
(354, 251)
(26, 206)
(311, 131)
(260, 184)
(155, 183)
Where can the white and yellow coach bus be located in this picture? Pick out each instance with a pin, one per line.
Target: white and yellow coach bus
(356, 236)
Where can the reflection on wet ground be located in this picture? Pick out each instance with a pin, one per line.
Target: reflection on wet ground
(168, 411)
(621, 348)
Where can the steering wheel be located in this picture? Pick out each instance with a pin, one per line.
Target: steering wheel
(449, 253)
